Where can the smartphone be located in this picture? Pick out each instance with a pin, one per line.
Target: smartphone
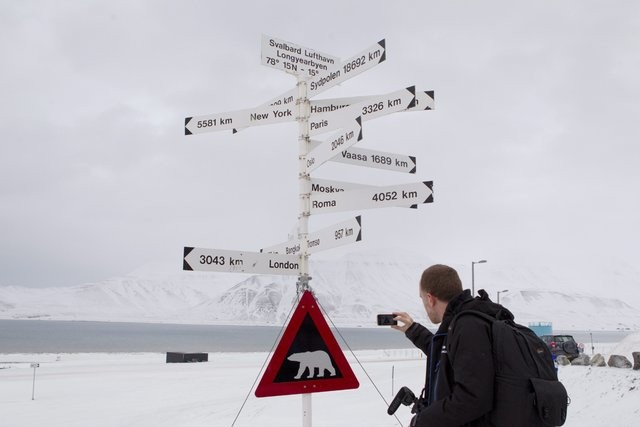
(386, 320)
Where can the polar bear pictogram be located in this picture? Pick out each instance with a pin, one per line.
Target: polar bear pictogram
(312, 360)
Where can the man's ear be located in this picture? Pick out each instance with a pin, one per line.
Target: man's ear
(432, 300)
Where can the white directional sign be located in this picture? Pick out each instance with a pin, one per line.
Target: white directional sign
(371, 108)
(377, 159)
(349, 68)
(328, 186)
(286, 99)
(200, 259)
(252, 117)
(382, 105)
(295, 59)
(369, 198)
(340, 234)
(424, 100)
(330, 148)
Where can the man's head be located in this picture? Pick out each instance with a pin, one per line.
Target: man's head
(439, 284)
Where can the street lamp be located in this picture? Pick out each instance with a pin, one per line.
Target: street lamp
(473, 286)
(501, 292)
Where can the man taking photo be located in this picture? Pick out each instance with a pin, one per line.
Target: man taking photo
(460, 370)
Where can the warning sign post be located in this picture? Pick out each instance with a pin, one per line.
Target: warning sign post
(308, 358)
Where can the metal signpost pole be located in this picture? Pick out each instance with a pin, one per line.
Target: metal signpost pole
(33, 389)
(303, 215)
(304, 181)
(473, 285)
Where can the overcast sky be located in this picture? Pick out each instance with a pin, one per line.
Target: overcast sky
(533, 146)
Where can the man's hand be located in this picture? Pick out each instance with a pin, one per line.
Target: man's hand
(405, 321)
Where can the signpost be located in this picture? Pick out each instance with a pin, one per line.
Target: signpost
(308, 359)
(350, 67)
(295, 59)
(328, 186)
(376, 197)
(424, 100)
(369, 109)
(199, 259)
(377, 159)
(382, 105)
(252, 117)
(33, 388)
(340, 234)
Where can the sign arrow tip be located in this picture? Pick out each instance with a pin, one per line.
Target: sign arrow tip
(413, 159)
(185, 264)
(431, 95)
(382, 43)
(412, 91)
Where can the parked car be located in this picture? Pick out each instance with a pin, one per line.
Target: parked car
(562, 344)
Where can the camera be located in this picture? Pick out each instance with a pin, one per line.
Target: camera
(405, 397)
(386, 319)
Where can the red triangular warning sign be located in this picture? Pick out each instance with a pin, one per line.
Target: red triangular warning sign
(308, 358)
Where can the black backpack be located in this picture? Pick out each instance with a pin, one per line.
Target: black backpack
(526, 388)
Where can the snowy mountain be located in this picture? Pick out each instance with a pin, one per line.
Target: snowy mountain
(351, 290)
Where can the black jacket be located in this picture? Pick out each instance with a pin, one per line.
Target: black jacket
(460, 370)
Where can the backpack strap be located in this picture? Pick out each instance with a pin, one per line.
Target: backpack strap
(484, 316)
(487, 318)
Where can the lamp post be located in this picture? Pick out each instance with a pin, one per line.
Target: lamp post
(501, 292)
(473, 286)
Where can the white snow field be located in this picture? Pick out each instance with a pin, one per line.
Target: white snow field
(140, 389)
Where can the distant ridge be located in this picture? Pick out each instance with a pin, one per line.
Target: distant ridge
(352, 290)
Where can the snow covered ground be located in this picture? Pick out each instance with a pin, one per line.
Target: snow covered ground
(102, 389)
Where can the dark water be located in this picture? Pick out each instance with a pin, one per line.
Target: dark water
(49, 336)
